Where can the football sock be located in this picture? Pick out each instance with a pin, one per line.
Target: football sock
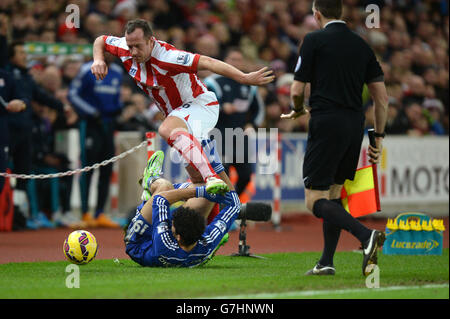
(214, 212)
(191, 150)
(339, 217)
(331, 235)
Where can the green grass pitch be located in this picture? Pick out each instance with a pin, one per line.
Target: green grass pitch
(278, 276)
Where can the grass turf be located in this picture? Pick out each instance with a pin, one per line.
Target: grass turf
(279, 276)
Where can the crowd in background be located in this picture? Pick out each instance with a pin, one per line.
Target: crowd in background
(411, 43)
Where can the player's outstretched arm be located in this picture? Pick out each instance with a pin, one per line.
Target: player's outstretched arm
(261, 77)
(176, 195)
(99, 67)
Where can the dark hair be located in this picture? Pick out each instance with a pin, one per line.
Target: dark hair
(189, 224)
(330, 9)
(139, 24)
(12, 48)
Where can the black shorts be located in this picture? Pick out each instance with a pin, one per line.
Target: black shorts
(333, 148)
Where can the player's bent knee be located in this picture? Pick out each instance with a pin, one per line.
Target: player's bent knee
(160, 185)
(170, 126)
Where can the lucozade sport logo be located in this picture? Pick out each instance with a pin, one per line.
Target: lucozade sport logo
(427, 244)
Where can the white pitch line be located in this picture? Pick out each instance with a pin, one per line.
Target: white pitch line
(307, 293)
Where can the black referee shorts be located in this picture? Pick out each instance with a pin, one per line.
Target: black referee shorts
(333, 148)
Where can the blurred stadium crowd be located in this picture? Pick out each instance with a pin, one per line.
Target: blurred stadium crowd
(412, 44)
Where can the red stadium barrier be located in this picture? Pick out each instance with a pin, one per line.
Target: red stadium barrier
(276, 211)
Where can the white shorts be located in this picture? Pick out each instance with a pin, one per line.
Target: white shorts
(200, 119)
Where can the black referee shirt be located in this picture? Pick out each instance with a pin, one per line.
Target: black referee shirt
(337, 62)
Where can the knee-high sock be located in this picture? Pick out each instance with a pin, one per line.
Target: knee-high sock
(214, 212)
(191, 150)
(339, 217)
(331, 234)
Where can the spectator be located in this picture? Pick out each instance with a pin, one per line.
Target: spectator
(70, 69)
(21, 146)
(53, 195)
(207, 45)
(136, 115)
(434, 111)
(98, 104)
(409, 120)
(11, 101)
(415, 90)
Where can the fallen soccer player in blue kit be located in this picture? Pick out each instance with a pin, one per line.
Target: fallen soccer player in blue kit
(157, 237)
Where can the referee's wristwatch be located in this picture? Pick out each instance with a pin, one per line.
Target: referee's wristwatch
(292, 107)
(382, 135)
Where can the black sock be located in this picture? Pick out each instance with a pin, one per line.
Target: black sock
(338, 216)
(331, 234)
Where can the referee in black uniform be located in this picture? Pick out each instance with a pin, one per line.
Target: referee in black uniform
(337, 63)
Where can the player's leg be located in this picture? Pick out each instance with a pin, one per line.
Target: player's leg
(202, 205)
(152, 173)
(159, 185)
(175, 132)
(205, 207)
(198, 120)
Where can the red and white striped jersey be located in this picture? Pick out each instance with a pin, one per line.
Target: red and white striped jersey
(169, 77)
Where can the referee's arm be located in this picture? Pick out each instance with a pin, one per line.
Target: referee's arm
(297, 98)
(302, 75)
(381, 100)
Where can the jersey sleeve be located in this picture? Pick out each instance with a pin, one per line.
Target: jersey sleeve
(221, 224)
(304, 67)
(374, 73)
(115, 45)
(162, 238)
(160, 210)
(175, 61)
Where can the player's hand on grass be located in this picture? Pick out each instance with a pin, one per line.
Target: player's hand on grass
(216, 198)
(294, 114)
(99, 69)
(375, 152)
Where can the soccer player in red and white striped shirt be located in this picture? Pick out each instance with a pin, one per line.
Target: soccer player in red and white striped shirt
(169, 77)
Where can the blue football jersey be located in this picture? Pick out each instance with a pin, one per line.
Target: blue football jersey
(154, 244)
